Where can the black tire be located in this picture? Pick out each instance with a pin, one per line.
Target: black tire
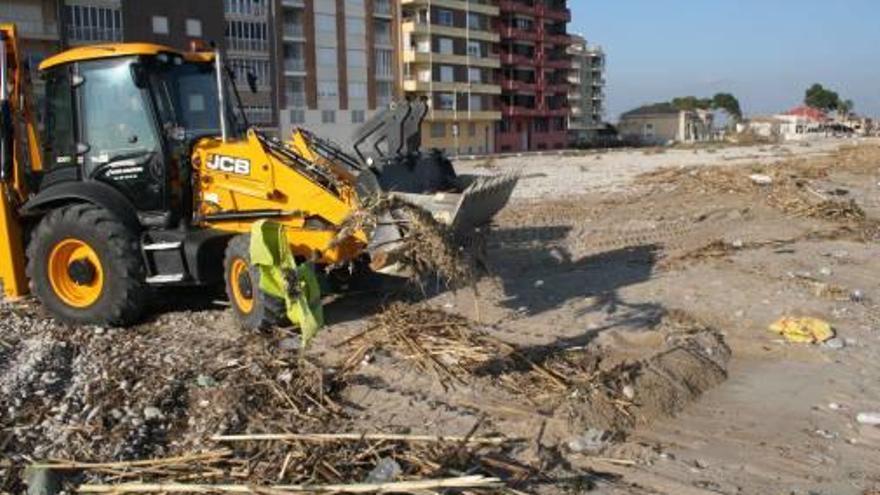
(122, 295)
(265, 311)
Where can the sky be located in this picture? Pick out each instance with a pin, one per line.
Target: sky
(765, 52)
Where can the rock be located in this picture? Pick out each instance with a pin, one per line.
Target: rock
(386, 470)
(836, 343)
(42, 481)
(629, 392)
(737, 244)
(761, 179)
(825, 271)
(834, 406)
(592, 441)
(700, 464)
(206, 381)
(869, 418)
(152, 413)
(289, 344)
(857, 295)
(539, 283)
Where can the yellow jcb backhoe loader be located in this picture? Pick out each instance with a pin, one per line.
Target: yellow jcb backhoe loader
(145, 174)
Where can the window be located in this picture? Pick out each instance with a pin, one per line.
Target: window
(328, 117)
(472, 129)
(357, 90)
(446, 101)
(474, 48)
(194, 28)
(88, 23)
(357, 58)
(447, 73)
(474, 20)
(358, 116)
(328, 89)
(424, 75)
(423, 45)
(327, 56)
(475, 103)
(475, 75)
(438, 130)
(160, 24)
(58, 135)
(297, 116)
(355, 26)
(445, 17)
(384, 92)
(384, 63)
(325, 24)
(446, 46)
(250, 36)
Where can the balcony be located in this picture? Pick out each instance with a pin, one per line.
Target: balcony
(382, 8)
(516, 59)
(382, 39)
(294, 31)
(516, 7)
(414, 27)
(294, 3)
(412, 56)
(245, 45)
(294, 65)
(296, 99)
(518, 86)
(554, 88)
(554, 14)
(413, 85)
(472, 5)
(512, 33)
(516, 111)
(557, 63)
(557, 38)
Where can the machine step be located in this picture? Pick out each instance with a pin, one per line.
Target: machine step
(166, 279)
(163, 246)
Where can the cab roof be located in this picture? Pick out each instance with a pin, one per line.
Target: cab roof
(111, 50)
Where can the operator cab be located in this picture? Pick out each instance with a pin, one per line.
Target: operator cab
(128, 115)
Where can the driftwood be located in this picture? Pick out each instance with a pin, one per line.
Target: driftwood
(333, 437)
(145, 463)
(391, 487)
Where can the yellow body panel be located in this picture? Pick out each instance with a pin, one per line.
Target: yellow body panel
(267, 183)
(110, 50)
(13, 192)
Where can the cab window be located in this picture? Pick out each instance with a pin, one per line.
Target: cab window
(116, 116)
(59, 138)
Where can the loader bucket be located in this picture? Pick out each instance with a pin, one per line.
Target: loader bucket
(464, 213)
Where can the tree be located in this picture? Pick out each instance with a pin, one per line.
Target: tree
(728, 103)
(820, 98)
(691, 103)
(845, 108)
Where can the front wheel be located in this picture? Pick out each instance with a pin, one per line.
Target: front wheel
(254, 309)
(85, 267)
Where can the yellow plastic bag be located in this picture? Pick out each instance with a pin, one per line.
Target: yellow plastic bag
(804, 330)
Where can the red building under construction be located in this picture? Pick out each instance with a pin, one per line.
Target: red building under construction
(534, 75)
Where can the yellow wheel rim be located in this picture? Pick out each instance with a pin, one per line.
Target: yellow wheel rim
(243, 296)
(75, 273)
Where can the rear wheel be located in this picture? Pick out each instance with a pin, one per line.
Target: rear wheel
(254, 309)
(85, 267)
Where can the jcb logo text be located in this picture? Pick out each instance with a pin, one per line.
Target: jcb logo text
(229, 164)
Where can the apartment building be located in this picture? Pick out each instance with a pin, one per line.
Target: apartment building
(251, 48)
(39, 31)
(587, 95)
(450, 57)
(535, 67)
(339, 63)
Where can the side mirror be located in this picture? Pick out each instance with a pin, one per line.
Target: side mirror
(6, 142)
(252, 82)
